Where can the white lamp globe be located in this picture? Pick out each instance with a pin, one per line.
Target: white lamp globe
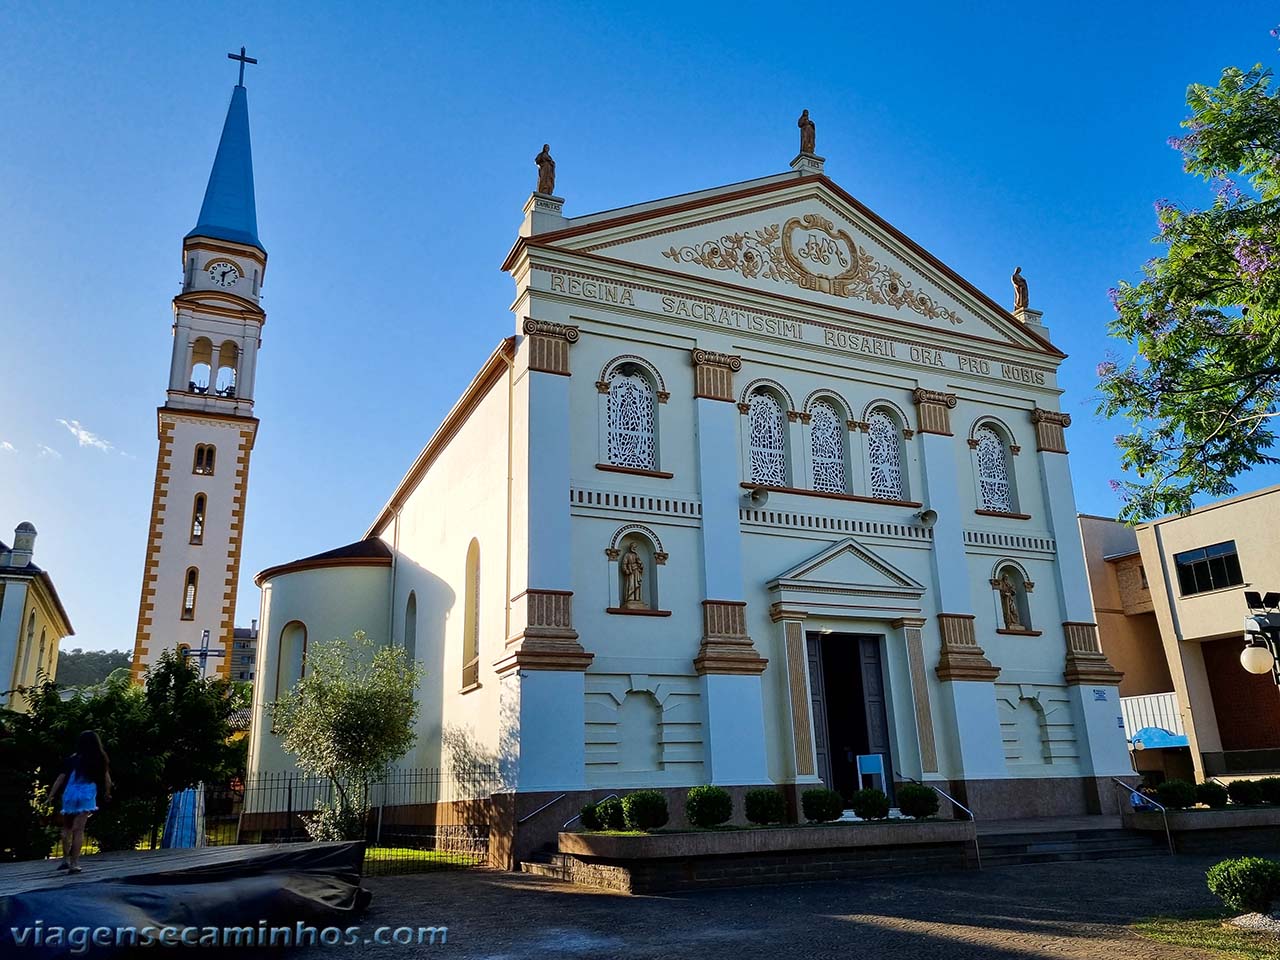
(1256, 658)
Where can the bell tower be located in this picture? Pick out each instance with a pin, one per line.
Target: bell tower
(206, 426)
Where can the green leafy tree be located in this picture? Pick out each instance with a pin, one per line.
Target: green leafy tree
(168, 734)
(348, 719)
(82, 668)
(1205, 318)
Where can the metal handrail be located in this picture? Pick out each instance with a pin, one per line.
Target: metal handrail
(977, 850)
(530, 816)
(565, 825)
(1155, 803)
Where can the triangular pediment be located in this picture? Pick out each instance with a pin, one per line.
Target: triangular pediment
(796, 238)
(848, 564)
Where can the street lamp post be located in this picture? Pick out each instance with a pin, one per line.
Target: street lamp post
(1261, 653)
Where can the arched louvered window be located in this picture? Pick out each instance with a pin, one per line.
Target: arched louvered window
(884, 453)
(189, 588)
(767, 440)
(471, 619)
(197, 519)
(993, 471)
(632, 420)
(827, 433)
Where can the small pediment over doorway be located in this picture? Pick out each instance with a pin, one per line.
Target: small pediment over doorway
(847, 579)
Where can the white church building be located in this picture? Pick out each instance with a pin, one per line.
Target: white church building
(757, 491)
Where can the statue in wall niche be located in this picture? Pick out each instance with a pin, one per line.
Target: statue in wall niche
(633, 580)
(1020, 298)
(808, 134)
(546, 171)
(1009, 602)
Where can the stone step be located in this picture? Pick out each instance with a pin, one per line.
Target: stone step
(1019, 859)
(1068, 843)
(552, 871)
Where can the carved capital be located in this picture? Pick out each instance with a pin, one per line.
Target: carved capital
(612, 553)
(1050, 430)
(547, 640)
(778, 613)
(549, 345)
(934, 408)
(973, 443)
(660, 558)
(602, 386)
(726, 647)
(713, 374)
(962, 658)
(862, 425)
(664, 396)
(744, 408)
(1086, 663)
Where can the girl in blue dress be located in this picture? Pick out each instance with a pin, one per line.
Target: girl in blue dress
(85, 779)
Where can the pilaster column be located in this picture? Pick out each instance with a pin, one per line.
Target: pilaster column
(799, 700)
(247, 367)
(968, 698)
(1092, 682)
(913, 640)
(541, 689)
(727, 661)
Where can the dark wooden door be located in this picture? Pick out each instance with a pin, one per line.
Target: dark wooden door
(818, 701)
(874, 702)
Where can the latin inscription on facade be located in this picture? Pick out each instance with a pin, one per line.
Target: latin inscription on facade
(796, 331)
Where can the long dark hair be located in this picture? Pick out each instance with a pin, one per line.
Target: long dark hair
(90, 760)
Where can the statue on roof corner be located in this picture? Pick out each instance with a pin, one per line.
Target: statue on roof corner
(546, 171)
(1020, 298)
(808, 134)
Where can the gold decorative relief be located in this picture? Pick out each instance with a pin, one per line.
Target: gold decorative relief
(811, 252)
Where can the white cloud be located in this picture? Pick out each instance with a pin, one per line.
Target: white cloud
(48, 451)
(86, 437)
(7, 447)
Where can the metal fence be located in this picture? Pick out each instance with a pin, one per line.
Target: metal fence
(415, 820)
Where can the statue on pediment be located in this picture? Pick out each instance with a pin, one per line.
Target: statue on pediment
(1020, 298)
(546, 171)
(808, 134)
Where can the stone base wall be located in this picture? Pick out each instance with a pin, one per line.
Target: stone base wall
(1226, 833)
(1010, 799)
(659, 876)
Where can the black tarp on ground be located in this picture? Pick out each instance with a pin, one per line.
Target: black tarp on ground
(315, 885)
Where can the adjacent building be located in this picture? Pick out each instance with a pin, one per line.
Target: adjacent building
(758, 492)
(32, 619)
(1169, 599)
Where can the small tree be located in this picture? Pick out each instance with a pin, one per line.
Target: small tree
(348, 719)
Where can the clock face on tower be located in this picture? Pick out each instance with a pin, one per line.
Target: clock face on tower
(223, 273)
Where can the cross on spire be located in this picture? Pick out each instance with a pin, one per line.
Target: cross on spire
(243, 60)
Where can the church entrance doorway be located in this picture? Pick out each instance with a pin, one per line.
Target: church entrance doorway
(850, 711)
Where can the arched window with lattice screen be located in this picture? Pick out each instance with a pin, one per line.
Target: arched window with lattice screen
(995, 492)
(632, 420)
(827, 437)
(884, 456)
(767, 440)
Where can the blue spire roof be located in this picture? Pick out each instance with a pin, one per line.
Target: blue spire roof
(229, 211)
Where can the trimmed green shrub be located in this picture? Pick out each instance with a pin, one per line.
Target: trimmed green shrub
(1245, 793)
(766, 806)
(1270, 787)
(609, 813)
(917, 800)
(708, 806)
(870, 804)
(1246, 884)
(1212, 795)
(644, 810)
(821, 806)
(1176, 794)
(587, 817)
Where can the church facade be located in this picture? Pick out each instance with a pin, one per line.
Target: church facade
(758, 492)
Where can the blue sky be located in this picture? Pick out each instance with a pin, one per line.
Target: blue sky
(393, 147)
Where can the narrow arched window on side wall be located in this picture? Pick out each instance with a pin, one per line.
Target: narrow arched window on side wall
(632, 420)
(471, 619)
(40, 655)
(884, 453)
(827, 436)
(190, 585)
(292, 663)
(197, 519)
(411, 626)
(203, 460)
(767, 440)
(994, 490)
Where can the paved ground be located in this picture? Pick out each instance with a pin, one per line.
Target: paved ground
(1066, 911)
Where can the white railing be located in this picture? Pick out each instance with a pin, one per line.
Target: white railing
(1152, 710)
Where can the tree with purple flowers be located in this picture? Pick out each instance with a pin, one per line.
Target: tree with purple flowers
(1204, 386)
